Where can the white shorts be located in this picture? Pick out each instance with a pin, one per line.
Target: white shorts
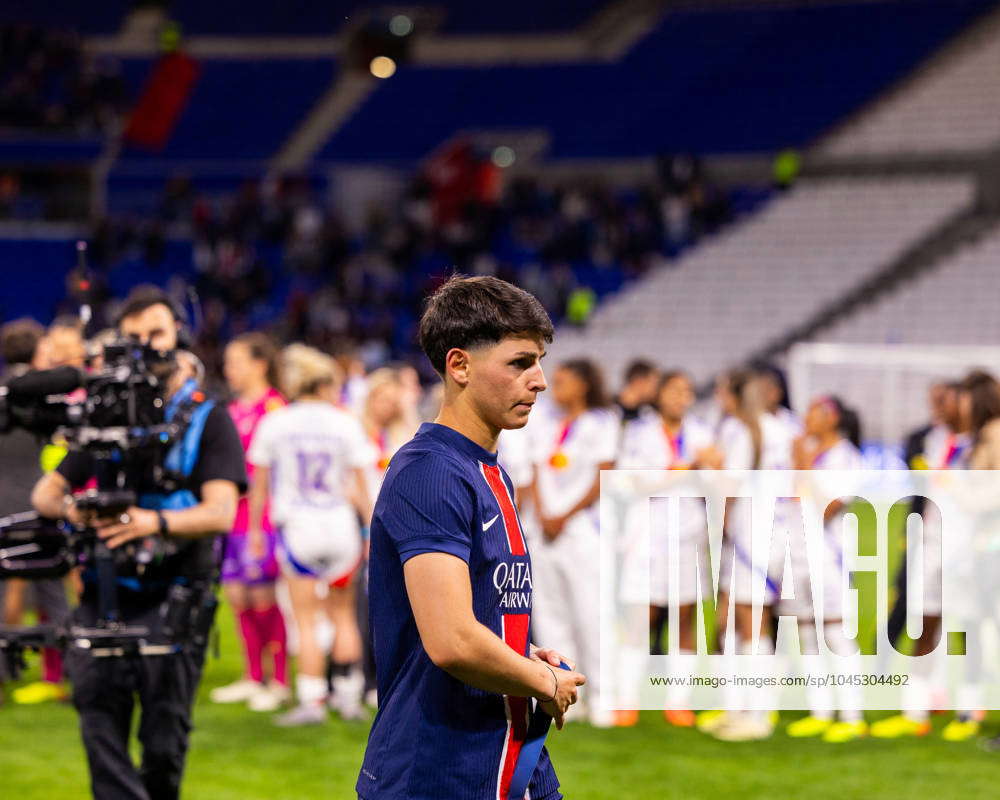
(323, 545)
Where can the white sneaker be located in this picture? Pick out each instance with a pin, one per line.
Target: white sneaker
(349, 708)
(270, 698)
(744, 728)
(599, 718)
(346, 696)
(239, 692)
(313, 714)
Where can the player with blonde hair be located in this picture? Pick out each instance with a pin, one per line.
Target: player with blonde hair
(309, 459)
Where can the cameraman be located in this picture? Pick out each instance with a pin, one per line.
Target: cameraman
(104, 688)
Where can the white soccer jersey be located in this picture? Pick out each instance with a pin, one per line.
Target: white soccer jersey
(776, 435)
(309, 448)
(567, 456)
(944, 449)
(789, 419)
(514, 455)
(843, 455)
(646, 443)
(736, 444)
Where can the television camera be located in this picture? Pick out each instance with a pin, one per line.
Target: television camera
(116, 413)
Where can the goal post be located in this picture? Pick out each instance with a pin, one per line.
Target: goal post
(886, 383)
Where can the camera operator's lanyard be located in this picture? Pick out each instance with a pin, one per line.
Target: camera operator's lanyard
(183, 454)
(182, 395)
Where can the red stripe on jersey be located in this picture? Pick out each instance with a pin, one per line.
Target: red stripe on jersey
(515, 633)
(515, 539)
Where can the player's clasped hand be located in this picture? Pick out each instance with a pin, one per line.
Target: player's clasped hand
(564, 683)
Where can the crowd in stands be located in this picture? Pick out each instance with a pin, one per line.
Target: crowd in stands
(49, 83)
(273, 255)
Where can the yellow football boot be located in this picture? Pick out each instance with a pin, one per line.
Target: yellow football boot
(841, 732)
(960, 730)
(808, 727)
(39, 692)
(898, 727)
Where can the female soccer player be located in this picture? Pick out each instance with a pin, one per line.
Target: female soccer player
(309, 459)
(249, 574)
(572, 445)
(969, 439)
(386, 422)
(669, 437)
(741, 443)
(831, 441)
(450, 575)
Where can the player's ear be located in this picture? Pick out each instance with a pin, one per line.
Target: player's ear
(456, 366)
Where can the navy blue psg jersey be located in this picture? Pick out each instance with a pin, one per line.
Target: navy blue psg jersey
(434, 737)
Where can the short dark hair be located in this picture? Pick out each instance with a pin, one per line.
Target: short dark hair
(587, 371)
(144, 296)
(19, 340)
(470, 312)
(639, 368)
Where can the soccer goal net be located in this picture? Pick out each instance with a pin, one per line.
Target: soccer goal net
(887, 384)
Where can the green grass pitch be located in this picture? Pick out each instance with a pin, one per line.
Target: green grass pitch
(238, 755)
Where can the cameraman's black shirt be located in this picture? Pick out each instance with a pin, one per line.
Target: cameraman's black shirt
(220, 457)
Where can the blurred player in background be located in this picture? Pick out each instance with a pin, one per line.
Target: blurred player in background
(388, 425)
(774, 396)
(19, 456)
(668, 436)
(747, 438)
(310, 458)
(572, 445)
(831, 441)
(62, 345)
(969, 438)
(638, 389)
(979, 400)
(249, 574)
(919, 449)
(385, 422)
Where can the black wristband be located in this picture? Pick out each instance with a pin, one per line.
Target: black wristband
(164, 530)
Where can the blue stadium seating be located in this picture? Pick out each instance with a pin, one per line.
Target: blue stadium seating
(239, 109)
(307, 17)
(34, 272)
(517, 16)
(703, 81)
(104, 16)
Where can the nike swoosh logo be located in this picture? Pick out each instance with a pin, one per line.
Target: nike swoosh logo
(486, 525)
